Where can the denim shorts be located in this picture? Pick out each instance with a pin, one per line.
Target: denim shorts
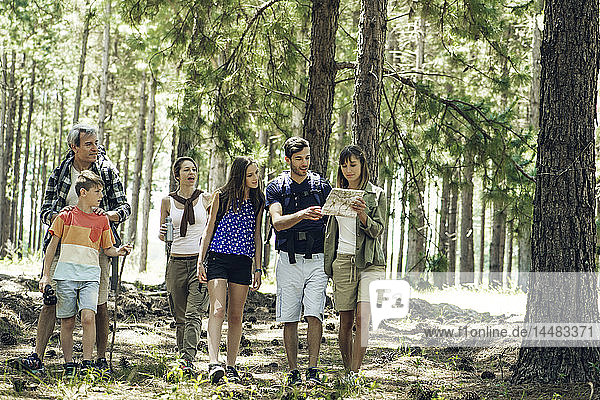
(74, 296)
(233, 267)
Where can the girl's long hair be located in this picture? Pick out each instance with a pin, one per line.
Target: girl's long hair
(232, 193)
(359, 154)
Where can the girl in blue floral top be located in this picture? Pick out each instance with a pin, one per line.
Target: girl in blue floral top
(230, 244)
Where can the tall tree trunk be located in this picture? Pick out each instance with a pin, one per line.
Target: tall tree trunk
(467, 261)
(172, 182)
(564, 231)
(399, 270)
(26, 155)
(482, 237)
(62, 118)
(5, 161)
(264, 174)
(137, 171)
(104, 82)
(298, 111)
(84, 40)
(509, 253)
(149, 157)
(415, 256)
(43, 179)
(497, 243)
(125, 174)
(452, 219)
(524, 239)
(32, 208)
(368, 80)
(321, 82)
(442, 276)
(217, 173)
(16, 174)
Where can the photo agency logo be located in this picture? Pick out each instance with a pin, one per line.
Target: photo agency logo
(389, 299)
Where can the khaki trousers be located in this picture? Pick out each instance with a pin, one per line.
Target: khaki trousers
(187, 303)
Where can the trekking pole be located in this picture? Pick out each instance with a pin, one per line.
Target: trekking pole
(117, 292)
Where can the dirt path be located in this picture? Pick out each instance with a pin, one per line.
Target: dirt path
(145, 359)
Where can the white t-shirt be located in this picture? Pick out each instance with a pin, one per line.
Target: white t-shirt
(72, 197)
(346, 235)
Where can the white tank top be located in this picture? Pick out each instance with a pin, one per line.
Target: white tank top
(190, 244)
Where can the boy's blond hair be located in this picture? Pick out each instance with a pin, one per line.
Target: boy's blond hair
(87, 180)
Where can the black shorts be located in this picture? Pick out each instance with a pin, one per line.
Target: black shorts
(233, 267)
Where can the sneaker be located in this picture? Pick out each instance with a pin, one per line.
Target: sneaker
(102, 367)
(87, 367)
(294, 378)
(187, 367)
(312, 376)
(70, 368)
(215, 373)
(31, 363)
(232, 374)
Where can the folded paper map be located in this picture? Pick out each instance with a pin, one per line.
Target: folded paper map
(339, 200)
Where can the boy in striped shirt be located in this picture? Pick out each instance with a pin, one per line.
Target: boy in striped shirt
(81, 232)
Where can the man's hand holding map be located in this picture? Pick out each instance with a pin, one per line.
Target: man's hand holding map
(339, 202)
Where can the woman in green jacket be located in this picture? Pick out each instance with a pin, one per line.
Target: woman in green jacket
(354, 256)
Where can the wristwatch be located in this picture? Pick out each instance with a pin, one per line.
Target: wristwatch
(258, 270)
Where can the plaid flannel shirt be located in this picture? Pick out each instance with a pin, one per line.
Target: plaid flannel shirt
(59, 183)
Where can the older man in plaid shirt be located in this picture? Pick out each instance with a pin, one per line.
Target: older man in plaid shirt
(60, 194)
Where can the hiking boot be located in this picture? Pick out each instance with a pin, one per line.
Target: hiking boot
(31, 363)
(215, 373)
(102, 367)
(232, 374)
(312, 376)
(70, 369)
(294, 378)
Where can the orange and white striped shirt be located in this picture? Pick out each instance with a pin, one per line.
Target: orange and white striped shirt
(81, 237)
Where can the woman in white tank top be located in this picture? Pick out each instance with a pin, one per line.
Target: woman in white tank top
(187, 207)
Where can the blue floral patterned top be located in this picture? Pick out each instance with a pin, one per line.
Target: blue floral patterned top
(235, 232)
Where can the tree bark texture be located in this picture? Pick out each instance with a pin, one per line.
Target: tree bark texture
(509, 250)
(321, 82)
(564, 231)
(452, 219)
(137, 169)
(149, 157)
(26, 153)
(34, 174)
(84, 40)
(415, 257)
(467, 260)
(16, 175)
(497, 243)
(217, 174)
(399, 268)
(524, 239)
(104, 81)
(6, 142)
(443, 226)
(482, 239)
(368, 82)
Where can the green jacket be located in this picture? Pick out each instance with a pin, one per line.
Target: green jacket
(369, 250)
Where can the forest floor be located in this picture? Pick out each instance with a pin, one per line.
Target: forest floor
(145, 362)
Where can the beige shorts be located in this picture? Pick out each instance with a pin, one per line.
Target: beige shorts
(351, 286)
(104, 276)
